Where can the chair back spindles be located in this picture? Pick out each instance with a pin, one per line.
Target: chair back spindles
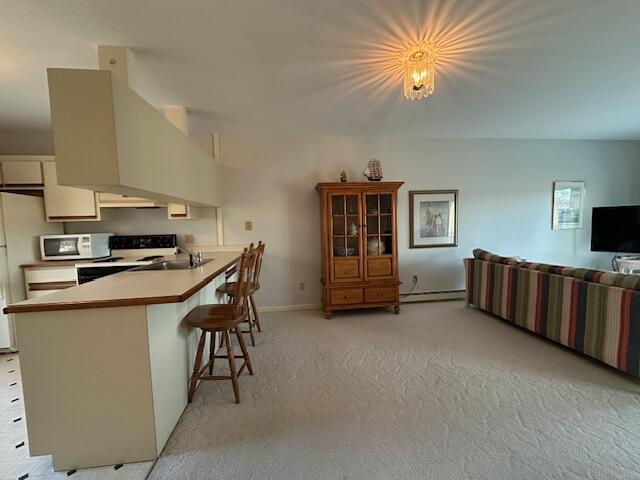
(244, 280)
(256, 272)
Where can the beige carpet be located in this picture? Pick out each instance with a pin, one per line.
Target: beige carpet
(437, 392)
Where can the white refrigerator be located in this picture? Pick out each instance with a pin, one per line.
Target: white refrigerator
(22, 221)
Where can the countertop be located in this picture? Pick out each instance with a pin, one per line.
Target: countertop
(133, 288)
(54, 264)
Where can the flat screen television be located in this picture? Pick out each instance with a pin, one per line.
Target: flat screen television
(616, 229)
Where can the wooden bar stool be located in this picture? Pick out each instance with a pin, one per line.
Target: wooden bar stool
(224, 318)
(228, 288)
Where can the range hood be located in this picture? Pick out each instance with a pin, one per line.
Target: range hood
(108, 138)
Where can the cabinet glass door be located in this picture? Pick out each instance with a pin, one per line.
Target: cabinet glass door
(346, 236)
(380, 225)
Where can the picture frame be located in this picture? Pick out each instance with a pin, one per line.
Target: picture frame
(568, 205)
(433, 218)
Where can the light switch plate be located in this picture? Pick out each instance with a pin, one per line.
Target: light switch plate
(248, 225)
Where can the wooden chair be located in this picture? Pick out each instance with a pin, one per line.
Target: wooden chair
(224, 318)
(228, 288)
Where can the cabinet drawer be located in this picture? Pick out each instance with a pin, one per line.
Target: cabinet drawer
(380, 294)
(345, 296)
(51, 274)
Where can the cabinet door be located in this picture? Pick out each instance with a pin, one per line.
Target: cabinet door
(179, 211)
(63, 204)
(345, 237)
(380, 235)
(22, 173)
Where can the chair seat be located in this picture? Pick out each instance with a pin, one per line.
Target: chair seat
(229, 288)
(216, 317)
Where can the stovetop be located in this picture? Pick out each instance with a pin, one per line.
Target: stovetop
(135, 250)
(148, 258)
(108, 260)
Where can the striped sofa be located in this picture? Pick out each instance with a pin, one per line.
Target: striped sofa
(593, 312)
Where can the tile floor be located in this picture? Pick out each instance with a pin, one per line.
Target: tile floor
(15, 462)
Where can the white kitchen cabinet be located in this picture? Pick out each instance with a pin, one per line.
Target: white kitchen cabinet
(41, 280)
(22, 171)
(65, 204)
(115, 200)
(179, 211)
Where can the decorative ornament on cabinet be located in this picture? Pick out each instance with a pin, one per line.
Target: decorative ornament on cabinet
(373, 172)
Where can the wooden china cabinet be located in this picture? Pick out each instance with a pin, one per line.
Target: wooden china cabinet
(359, 245)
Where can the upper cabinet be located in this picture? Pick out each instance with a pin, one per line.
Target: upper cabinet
(116, 200)
(21, 171)
(179, 211)
(66, 204)
(38, 175)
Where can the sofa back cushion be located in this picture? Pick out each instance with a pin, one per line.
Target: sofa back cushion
(481, 254)
(547, 268)
(632, 282)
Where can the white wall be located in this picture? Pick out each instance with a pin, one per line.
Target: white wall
(132, 221)
(26, 142)
(504, 201)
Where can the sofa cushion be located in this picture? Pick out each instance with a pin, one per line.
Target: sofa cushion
(481, 254)
(546, 268)
(621, 280)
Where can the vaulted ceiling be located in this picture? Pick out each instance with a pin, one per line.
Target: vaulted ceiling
(507, 68)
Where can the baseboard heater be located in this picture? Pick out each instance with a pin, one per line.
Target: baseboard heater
(432, 296)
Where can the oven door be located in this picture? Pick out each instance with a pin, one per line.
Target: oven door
(60, 248)
(89, 274)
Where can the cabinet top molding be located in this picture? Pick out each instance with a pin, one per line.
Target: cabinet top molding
(351, 185)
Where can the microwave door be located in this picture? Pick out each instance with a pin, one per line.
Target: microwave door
(62, 247)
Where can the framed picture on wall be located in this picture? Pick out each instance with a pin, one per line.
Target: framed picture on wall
(433, 218)
(568, 205)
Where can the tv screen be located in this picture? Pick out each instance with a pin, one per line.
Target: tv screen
(616, 229)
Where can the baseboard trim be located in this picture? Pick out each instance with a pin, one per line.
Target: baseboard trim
(404, 298)
(432, 296)
(290, 308)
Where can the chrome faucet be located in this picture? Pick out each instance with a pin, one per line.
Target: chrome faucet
(195, 258)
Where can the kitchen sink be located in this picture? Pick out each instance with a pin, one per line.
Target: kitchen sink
(170, 265)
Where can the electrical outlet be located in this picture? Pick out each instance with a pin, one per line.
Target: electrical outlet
(248, 225)
(302, 286)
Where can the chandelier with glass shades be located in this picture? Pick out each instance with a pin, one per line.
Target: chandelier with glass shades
(418, 64)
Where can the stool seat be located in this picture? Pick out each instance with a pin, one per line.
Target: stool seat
(216, 318)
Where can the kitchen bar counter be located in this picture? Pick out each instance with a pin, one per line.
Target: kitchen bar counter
(133, 288)
(54, 264)
(105, 365)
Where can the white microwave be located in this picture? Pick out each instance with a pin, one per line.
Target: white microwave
(74, 246)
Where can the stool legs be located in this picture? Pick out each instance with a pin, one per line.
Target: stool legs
(196, 366)
(232, 366)
(250, 323)
(199, 369)
(212, 351)
(245, 352)
(255, 313)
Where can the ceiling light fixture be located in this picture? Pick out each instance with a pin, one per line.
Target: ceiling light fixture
(418, 64)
